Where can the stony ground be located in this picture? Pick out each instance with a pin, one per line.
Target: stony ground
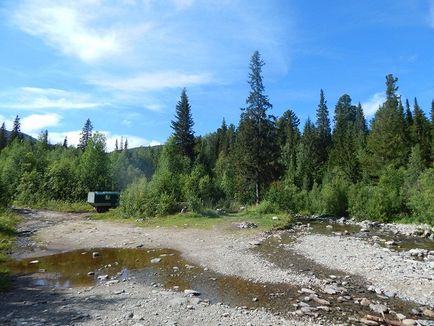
(229, 253)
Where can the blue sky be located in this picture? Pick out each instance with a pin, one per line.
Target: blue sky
(123, 63)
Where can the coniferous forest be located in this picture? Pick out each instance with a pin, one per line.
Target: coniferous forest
(339, 164)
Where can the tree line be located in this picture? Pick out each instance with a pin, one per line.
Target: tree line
(331, 166)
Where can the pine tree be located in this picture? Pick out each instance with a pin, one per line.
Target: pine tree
(323, 129)
(43, 137)
(16, 130)
(183, 127)
(116, 145)
(386, 144)
(126, 144)
(3, 137)
(86, 134)
(256, 141)
(65, 142)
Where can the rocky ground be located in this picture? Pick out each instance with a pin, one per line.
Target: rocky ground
(134, 302)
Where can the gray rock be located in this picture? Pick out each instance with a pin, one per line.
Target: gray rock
(379, 308)
(95, 254)
(330, 290)
(429, 313)
(320, 301)
(191, 292)
(408, 322)
(400, 316)
(365, 302)
(307, 291)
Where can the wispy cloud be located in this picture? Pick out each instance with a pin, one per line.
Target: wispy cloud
(372, 104)
(151, 81)
(32, 98)
(38, 122)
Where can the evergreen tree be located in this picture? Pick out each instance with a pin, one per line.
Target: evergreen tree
(386, 144)
(183, 127)
(361, 129)
(116, 145)
(126, 144)
(289, 137)
(65, 142)
(16, 130)
(256, 134)
(432, 131)
(307, 157)
(421, 132)
(86, 134)
(3, 137)
(43, 138)
(323, 129)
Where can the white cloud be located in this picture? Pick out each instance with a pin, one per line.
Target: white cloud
(151, 81)
(75, 28)
(30, 98)
(38, 122)
(58, 137)
(371, 105)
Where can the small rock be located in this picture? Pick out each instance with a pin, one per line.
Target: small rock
(191, 292)
(390, 294)
(225, 314)
(275, 218)
(329, 227)
(307, 291)
(365, 302)
(320, 301)
(408, 322)
(400, 316)
(368, 322)
(255, 299)
(429, 313)
(34, 262)
(379, 308)
(95, 254)
(103, 277)
(91, 273)
(155, 260)
(330, 290)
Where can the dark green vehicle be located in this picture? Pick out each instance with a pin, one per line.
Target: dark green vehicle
(103, 200)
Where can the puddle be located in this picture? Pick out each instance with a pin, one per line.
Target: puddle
(72, 269)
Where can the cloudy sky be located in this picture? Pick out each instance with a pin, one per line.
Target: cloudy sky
(123, 63)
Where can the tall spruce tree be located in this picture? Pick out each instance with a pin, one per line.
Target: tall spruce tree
(432, 131)
(323, 129)
(256, 141)
(421, 132)
(65, 142)
(3, 137)
(183, 127)
(16, 130)
(386, 144)
(307, 157)
(86, 134)
(289, 137)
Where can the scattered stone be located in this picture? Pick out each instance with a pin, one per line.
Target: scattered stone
(329, 227)
(103, 277)
(429, 313)
(155, 260)
(368, 322)
(320, 301)
(400, 316)
(34, 262)
(390, 294)
(364, 229)
(379, 308)
(307, 291)
(246, 225)
(408, 322)
(119, 292)
(95, 254)
(275, 218)
(191, 292)
(91, 273)
(391, 243)
(330, 290)
(365, 302)
(112, 282)
(255, 299)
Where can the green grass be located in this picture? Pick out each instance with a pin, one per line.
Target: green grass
(8, 223)
(63, 206)
(205, 220)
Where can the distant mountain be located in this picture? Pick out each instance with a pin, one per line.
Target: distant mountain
(25, 136)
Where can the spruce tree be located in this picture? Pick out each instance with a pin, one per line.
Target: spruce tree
(3, 137)
(307, 157)
(289, 137)
(126, 144)
(432, 131)
(183, 127)
(86, 134)
(421, 132)
(65, 142)
(256, 141)
(386, 144)
(323, 129)
(16, 130)
(116, 145)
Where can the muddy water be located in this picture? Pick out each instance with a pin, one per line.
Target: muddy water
(81, 268)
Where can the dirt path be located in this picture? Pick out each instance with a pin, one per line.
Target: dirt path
(228, 253)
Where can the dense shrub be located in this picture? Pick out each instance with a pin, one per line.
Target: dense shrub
(421, 200)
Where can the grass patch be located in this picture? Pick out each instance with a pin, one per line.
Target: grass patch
(207, 219)
(8, 223)
(63, 206)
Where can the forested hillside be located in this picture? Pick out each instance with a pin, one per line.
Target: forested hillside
(339, 164)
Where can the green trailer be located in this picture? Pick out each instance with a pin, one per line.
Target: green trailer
(103, 200)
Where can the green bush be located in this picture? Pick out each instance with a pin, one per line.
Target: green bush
(284, 196)
(421, 200)
(334, 197)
